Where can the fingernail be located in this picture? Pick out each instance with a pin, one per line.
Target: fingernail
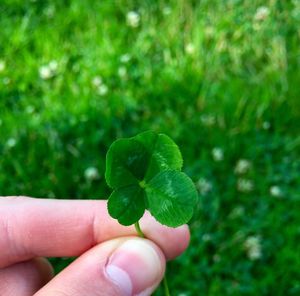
(120, 278)
(136, 267)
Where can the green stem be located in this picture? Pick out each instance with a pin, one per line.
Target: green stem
(139, 230)
(142, 235)
(166, 286)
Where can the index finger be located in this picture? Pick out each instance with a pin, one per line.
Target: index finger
(33, 227)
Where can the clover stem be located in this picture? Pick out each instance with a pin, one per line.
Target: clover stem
(138, 229)
(166, 286)
(142, 235)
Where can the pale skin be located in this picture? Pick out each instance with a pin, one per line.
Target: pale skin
(111, 259)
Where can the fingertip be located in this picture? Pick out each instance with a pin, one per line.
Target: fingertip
(46, 270)
(172, 241)
(183, 237)
(25, 278)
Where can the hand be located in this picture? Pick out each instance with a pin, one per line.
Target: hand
(112, 260)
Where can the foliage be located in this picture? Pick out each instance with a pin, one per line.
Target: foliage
(145, 172)
(219, 77)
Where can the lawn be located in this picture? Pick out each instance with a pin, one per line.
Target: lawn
(220, 77)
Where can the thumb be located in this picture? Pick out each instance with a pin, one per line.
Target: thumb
(124, 266)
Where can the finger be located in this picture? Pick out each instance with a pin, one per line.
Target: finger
(25, 278)
(120, 267)
(56, 228)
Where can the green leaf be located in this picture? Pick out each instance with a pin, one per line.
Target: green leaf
(127, 204)
(125, 163)
(164, 153)
(171, 197)
(132, 160)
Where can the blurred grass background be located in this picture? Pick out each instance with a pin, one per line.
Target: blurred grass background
(220, 77)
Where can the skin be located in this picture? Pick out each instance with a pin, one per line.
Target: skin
(111, 259)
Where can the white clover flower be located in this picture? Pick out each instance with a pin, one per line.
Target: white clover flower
(53, 65)
(266, 125)
(50, 11)
(122, 72)
(125, 58)
(254, 254)
(11, 142)
(275, 191)
(167, 10)
(190, 48)
(217, 154)
(133, 19)
(245, 185)
(45, 72)
(29, 109)
(242, 166)
(102, 90)
(48, 71)
(204, 186)
(261, 13)
(6, 80)
(97, 81)
(253, 247)
(208, 119)
(91, 174)
(237, 212)
(2, 65)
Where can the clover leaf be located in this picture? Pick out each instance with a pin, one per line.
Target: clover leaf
(171, 196)
(144, 172)
(127, 204)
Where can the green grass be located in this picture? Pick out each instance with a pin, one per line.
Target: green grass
(208, 73)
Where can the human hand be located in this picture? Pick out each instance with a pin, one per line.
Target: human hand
(111, 259)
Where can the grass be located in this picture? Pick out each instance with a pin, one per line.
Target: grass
(220, 77)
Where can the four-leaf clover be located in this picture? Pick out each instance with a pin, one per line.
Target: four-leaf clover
(145, 173)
